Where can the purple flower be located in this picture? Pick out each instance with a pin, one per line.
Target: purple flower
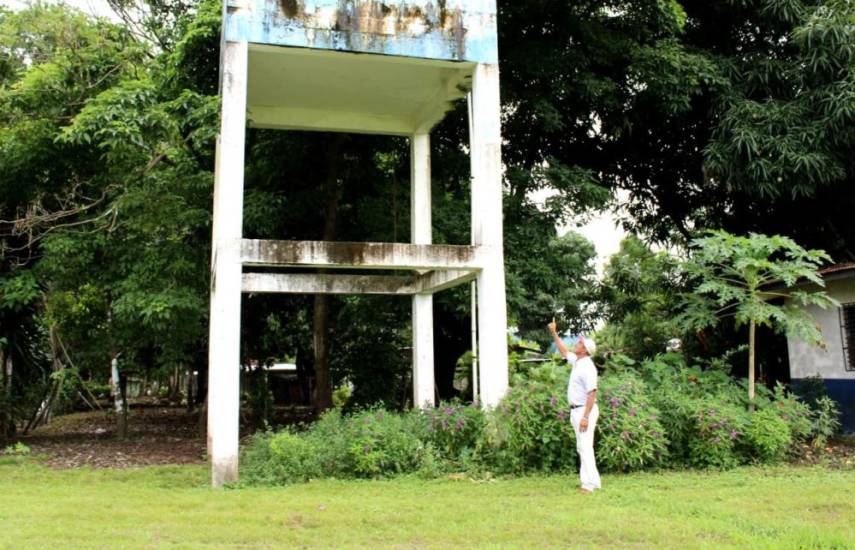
(715, 425)
(632, 412)
(733, 434)
(615, 402)
(654, 417)
(459, 424)
(624, 434)
(717, 439)
(448, 411)
(561, 415)
(553, 401)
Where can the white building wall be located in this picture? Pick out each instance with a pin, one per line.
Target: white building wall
(807, 360)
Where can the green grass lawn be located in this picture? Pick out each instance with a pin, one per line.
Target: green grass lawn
(172, 507)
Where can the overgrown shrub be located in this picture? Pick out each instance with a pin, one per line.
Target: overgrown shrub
(385, 444)
(796, 414)
(681, 394)
(455, 429)
(530, 429)
(811, 389)
(629, 434)
(713, 437)
(654, 413)
(369, 444)
(826, 421)
(294, 458)
(767, 436)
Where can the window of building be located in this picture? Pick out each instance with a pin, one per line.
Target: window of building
(847, 333)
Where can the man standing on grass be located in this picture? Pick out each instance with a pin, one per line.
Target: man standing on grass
(582, 396)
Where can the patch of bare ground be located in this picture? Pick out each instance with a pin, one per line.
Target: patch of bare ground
(156, 435)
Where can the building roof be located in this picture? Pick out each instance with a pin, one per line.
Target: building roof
(837, 268)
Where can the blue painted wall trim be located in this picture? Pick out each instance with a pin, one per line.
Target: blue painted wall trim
(843, 391)
(451, 30)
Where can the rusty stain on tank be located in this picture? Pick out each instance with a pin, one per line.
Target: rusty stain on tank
(385, 19)
(291, 8)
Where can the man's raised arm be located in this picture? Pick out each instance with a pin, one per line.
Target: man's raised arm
(553, 329)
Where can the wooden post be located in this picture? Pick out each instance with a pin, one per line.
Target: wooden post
(486, 157)
(224, 343)
(421, 233)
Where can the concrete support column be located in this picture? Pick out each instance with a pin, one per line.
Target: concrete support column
(224, 342)
(486, 155)
(421, 233)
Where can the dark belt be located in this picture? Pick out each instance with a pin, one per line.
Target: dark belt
(576, 406)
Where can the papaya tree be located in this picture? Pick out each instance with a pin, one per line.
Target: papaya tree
(753, 279)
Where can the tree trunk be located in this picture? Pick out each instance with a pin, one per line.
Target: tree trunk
(190, 382)
(751, 340)
(323, 380)
(175, 386)
(6, 421)
(332, 193)
(57, 366)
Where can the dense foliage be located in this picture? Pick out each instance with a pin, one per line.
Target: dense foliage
(659, 413)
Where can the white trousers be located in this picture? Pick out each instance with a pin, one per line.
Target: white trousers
(588, 474)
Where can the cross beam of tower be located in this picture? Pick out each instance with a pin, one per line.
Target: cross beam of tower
(290, 66)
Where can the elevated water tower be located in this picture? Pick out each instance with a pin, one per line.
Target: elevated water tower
(357, 66)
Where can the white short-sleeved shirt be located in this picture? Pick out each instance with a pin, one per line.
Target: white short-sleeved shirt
(583, 379)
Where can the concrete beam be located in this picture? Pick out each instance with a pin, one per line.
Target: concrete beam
(317, 283)
(323, 254)
(437, 281)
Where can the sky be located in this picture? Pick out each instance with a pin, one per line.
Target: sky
(94, 7)
(601, 229)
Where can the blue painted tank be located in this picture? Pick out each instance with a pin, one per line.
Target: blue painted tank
(449, 30)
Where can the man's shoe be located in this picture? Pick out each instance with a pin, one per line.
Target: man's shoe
(586, 491)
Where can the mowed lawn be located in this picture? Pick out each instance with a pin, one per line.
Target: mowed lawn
(172, 507)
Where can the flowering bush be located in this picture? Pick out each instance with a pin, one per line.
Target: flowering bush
(530, 429)
(651, 414)
(454, 429)
(716, 430)
(629, 434)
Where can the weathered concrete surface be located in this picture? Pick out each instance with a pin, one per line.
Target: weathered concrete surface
(323, 283)
(457, 30)
(334, 91)
(224, 330)
(350, 255)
